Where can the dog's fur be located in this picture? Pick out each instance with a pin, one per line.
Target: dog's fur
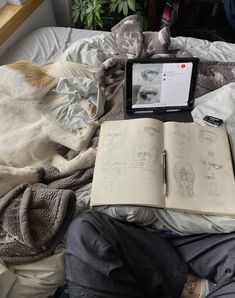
(27, 136)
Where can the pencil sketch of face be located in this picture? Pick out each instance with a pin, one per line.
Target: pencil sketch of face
(210, 168)
(207, 137)
(149, 75)
(145, 157)
(184, 177)
(148, 94)
(115, 136)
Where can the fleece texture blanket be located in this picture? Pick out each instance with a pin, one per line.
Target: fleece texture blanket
(33, 218)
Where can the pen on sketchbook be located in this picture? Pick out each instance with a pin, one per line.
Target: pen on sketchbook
(164, 172)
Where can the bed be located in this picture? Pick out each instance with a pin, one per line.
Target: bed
(47, 45)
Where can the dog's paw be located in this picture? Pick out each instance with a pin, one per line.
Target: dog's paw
(94, 124)
(97, 123)
(41, 173)
(34, 175)
(89, 156)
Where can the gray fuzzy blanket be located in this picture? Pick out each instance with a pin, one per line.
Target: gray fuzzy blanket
(33, 218)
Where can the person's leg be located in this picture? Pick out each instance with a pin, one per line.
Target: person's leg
(108, 258)
(211, 256)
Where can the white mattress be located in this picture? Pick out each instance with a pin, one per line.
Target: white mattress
(45, 44)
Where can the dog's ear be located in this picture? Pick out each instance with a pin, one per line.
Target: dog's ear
(66, 69)
(34, 74)
(25, 80)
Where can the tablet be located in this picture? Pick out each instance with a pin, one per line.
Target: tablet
(160, 85)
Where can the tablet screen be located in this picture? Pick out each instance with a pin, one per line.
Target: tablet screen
(152, 85)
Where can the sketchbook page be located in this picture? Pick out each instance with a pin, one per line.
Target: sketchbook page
(199, 166)
(128, 163)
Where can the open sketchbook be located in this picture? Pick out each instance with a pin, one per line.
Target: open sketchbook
(129, 166)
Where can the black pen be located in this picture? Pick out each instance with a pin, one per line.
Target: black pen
(164, 172)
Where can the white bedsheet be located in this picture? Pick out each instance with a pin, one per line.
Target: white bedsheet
(204, 49)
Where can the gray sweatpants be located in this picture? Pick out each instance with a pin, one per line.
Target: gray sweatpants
(211, 256)
(108, 258)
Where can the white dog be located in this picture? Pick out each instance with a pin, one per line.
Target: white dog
(27, 136)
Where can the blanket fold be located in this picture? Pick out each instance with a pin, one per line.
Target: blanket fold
(33, 219)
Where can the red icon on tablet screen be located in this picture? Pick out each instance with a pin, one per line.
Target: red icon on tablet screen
(182, 65)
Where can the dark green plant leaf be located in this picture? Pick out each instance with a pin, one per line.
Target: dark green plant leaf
(100, 23)
(120, 7)
(113, 7)
(131, 4)
(74, 13)
(97, 14)
(89, 9)
(125, 9)
(89, 20)
(75, 19)
(82, 16)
